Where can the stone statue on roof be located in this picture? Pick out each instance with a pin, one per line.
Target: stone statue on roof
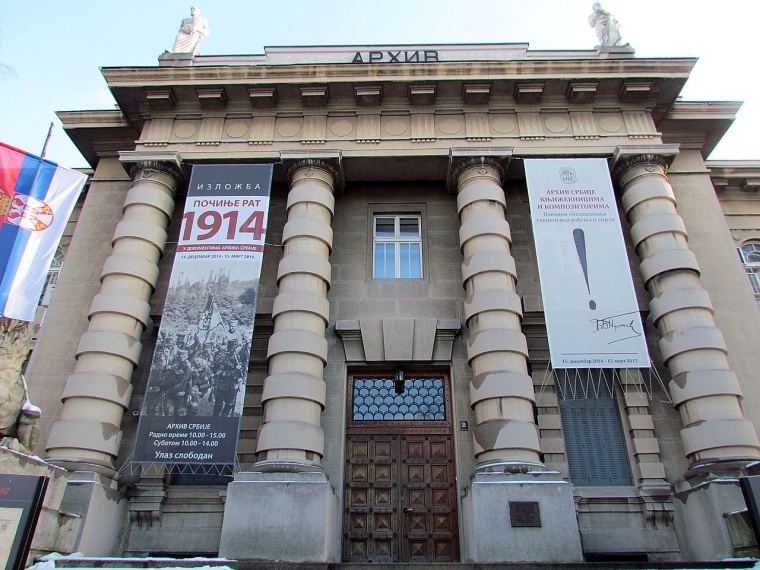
(606, 26)
(191, 33)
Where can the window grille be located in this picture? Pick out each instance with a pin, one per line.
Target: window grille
(393, 399)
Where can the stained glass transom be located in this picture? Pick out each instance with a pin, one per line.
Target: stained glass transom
(421, 399)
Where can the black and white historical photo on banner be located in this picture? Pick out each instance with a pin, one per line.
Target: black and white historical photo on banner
(202, 352)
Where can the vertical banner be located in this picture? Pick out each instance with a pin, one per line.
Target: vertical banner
(592, 316)
(194, 399)
(36, 200)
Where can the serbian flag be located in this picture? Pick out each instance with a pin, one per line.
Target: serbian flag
(36, 200)
(210, 320)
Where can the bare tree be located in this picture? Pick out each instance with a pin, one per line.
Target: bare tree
(5, 69)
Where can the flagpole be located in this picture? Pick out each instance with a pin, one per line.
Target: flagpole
(47, 140)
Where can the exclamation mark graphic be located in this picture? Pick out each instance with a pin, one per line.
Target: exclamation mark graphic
(580, 246)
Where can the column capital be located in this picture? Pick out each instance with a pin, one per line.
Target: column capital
(328, 160)
(164, 161)
(626, 157)
(460, 159)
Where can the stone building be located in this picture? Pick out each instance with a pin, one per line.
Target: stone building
(415, 153)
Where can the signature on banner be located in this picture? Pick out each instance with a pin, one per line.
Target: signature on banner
(617, 328)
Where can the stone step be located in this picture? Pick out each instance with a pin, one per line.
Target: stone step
(219, 563)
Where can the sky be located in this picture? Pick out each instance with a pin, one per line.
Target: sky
(55, 48)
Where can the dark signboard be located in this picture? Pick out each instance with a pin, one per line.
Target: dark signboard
(20, 505)
(194, 399)
(751, 490)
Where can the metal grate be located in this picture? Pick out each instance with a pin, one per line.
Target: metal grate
(596, 452)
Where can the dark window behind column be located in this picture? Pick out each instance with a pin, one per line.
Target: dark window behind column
(594, 440)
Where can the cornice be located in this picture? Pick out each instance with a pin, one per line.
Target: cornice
(735, 175)
(99, 133)
(161, 92)
(702, 123)
(734, 167)
(517, 69)
(89, 119)
(705, 110)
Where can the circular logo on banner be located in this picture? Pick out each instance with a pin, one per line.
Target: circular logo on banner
(29, 213)
(567, 175)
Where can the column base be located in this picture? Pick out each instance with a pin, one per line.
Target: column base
(702, 505)
(627, 521)
(103, 509)
(292, 517)
(520, 517)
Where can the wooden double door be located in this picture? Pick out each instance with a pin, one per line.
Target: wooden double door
(400, 501)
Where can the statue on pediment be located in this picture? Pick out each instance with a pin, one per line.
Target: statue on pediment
(606, 26)
(191, 33)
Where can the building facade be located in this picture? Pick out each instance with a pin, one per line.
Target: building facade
(400, 405)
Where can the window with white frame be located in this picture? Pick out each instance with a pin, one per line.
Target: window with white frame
(750, 256)
(397, 247)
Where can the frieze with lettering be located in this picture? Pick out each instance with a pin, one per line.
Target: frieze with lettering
(401, 56)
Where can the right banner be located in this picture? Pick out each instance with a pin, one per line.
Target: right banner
(592, 317)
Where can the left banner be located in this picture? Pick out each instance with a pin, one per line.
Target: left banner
(194, 399)
(36, 200)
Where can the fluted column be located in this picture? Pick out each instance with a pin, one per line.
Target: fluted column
(88, 434)
(294, 392)
(703, 388)
(501, 391)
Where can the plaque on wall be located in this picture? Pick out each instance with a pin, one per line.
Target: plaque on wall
(524, 514)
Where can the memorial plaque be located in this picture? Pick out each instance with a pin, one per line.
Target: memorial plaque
(524, 514)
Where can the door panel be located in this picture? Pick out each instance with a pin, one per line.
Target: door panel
(400, 493)
(428, 499)
(371, 499)
(400, 499)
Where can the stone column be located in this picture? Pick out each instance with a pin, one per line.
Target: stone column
(509, 472)
(88, 434)
(718, 440)
(294, 391)
(288, 486)
(704, 389)
(501, 391)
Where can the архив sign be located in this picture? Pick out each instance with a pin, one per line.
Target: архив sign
(400, 56)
